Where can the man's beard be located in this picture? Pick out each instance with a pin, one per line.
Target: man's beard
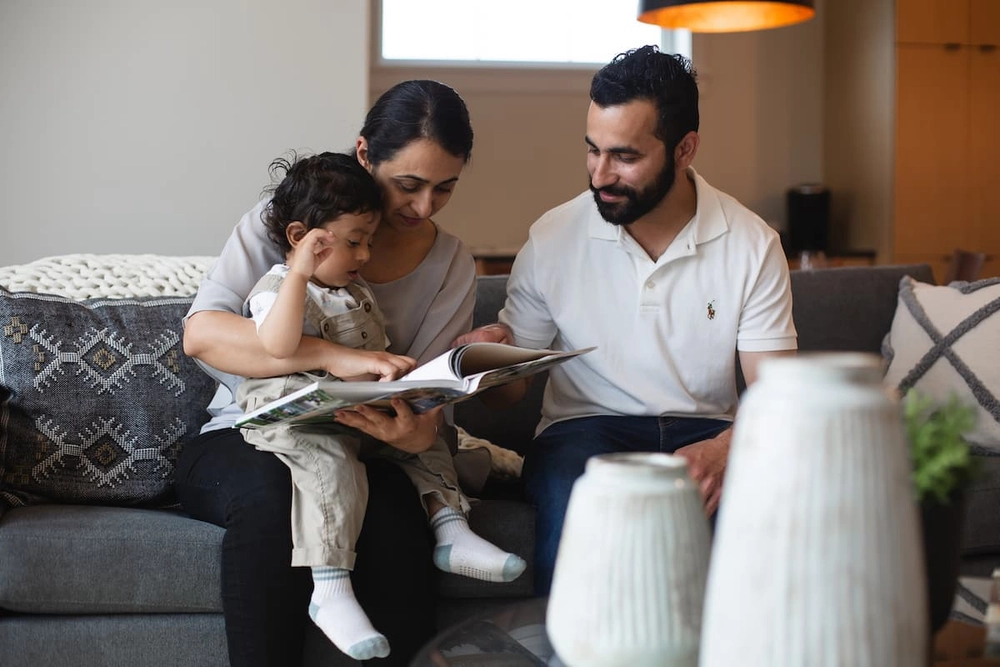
(637, 203)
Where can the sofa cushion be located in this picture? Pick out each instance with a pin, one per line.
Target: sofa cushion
(848, 308)
(74, 559)
(96, 397)
(943, 342)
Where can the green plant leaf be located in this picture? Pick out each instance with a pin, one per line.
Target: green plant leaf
(942, 461)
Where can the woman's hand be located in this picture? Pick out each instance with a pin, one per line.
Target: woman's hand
(406, 431)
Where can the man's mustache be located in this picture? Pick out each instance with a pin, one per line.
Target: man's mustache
(619, 191)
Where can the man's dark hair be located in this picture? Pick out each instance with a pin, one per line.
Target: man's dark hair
(669, 81)
(315, 190)
(417, 109)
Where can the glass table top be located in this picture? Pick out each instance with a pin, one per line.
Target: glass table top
(513, 636)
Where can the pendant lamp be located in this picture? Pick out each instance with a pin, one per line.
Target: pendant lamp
(725, 15)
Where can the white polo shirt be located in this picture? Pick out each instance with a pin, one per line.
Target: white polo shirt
(667, 331)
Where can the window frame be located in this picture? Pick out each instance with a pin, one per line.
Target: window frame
(528, 77)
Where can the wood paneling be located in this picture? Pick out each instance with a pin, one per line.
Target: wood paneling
(932, 21)
(947, 170)
(984, 22)
(932, 149)
(984, 153)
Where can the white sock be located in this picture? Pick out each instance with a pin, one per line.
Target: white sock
(337, 613)
(461, 551)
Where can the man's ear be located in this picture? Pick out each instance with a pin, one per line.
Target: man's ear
(294, 232)
(686, 149)
(361, 149)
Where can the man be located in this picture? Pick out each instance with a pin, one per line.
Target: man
(667, 276)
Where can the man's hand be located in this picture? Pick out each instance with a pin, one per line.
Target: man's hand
(707, 466)
(491, 333)
(406, 431)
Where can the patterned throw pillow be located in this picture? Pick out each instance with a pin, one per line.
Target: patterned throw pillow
(944, 340)
(96, 397)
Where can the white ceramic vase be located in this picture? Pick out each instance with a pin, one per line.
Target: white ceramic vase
(817, 558)
(630, 574)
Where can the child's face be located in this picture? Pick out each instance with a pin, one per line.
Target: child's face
(349, 244)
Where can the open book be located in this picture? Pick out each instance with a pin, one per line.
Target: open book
(453, 376)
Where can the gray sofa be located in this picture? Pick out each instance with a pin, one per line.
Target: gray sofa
(96, 586)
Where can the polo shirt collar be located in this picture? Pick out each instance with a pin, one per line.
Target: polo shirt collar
(709, 221)
(598, 227)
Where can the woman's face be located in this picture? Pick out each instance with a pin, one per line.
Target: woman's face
(416, 183)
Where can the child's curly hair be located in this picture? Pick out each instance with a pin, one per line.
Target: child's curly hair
(315, 190)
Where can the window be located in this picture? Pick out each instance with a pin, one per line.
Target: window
(550, 32)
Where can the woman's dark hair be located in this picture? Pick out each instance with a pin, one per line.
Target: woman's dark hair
(315, 190)
(417, 109)
(669, 81)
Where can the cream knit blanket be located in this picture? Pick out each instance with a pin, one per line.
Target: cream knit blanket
(83, 276)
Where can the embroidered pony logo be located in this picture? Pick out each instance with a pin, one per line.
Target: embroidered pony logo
(711, 309)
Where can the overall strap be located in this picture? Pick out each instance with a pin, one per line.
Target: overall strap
(270, 282)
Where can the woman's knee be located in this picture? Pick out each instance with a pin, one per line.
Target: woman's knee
(239, 485)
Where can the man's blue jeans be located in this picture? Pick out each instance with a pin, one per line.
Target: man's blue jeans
(559, 454)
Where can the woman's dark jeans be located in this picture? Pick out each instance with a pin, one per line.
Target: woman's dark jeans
(559, 455)
(224, 481)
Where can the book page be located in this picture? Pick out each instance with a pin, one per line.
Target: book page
(438, 368)
(424, 388)
(505, 374)
(479, 357)
(318, 401)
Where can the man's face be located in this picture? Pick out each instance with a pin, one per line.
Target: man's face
(630, 169)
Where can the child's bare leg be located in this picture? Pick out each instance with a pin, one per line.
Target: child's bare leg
(336, 611)
(433, 503)
(461, 551)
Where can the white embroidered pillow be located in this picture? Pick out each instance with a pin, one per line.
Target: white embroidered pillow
(944, 340)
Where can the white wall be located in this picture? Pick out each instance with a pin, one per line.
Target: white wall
(761, 129)
(762, 113)
(147, 126)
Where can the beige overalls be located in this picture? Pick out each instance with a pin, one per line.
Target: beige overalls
(329, 484)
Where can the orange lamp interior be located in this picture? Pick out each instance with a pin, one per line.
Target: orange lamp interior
(728, 16)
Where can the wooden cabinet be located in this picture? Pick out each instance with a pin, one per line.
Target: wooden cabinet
(932, 147)
(984, 150)
(947, 21)
(932, 21)
(494, 265)
(984, 22)
(947, 149)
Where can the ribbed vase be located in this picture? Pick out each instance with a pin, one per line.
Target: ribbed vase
(817, 559)
(630, 574)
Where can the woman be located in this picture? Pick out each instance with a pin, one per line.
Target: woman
(415, 142)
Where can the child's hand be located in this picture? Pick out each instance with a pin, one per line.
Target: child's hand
(311, 251)
(367, 365)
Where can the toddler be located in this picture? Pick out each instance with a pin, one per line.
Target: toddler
(322, 215)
